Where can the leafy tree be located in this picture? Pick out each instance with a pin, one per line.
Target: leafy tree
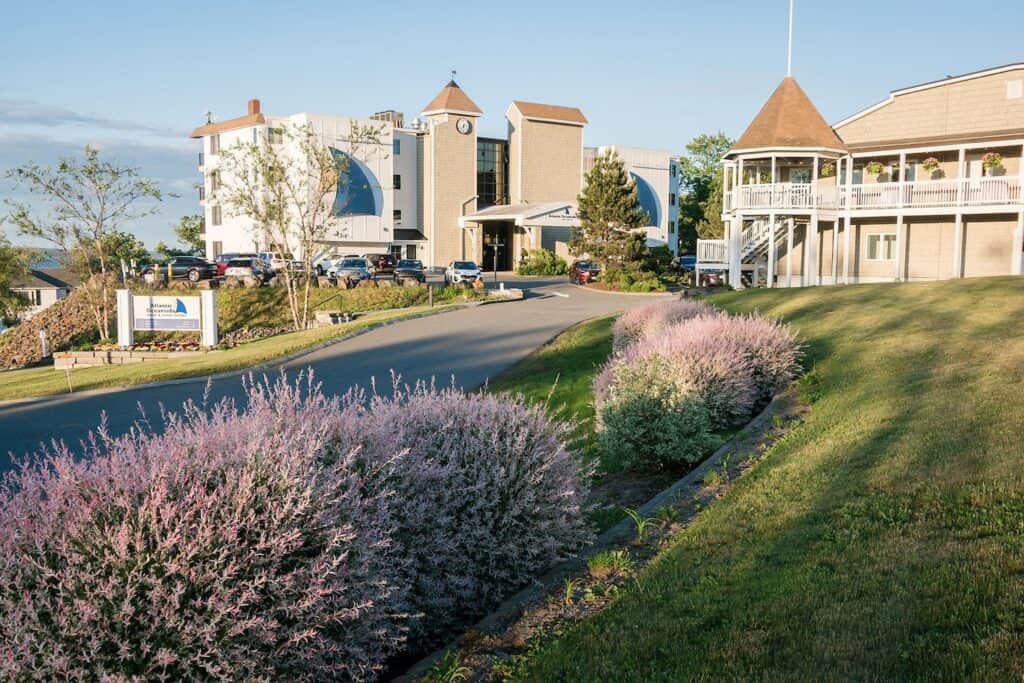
(190, 231)
(700, 184)
(77, 205)
(289, 190)
(609, 215)
(13, 266)
(117, 246)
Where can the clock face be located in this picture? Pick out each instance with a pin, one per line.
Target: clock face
(463, 126)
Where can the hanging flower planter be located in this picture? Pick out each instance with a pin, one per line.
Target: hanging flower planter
(991, 161)
(828, 169)
(930, 165)
(874, 168)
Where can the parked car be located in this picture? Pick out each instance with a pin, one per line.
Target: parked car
(192, 268)
(711, 278)
(354, 270)
(383, 264)
(222, 261)
(248, 266)
(323, 262)
(683, 264)
(410, 269)
(462, 271)
(277, 262)
(583, 271)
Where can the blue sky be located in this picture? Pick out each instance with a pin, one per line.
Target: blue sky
(134, 78)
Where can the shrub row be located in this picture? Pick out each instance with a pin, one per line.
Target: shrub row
(302, 538)
(542, 262)
(682, 371)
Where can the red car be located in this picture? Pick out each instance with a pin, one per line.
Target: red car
(582, 272)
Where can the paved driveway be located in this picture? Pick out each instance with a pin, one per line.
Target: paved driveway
(471, 345)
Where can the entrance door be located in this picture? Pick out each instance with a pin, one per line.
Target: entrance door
(497, 246)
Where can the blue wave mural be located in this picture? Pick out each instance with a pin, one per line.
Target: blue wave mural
(648, 199)
(359, 192)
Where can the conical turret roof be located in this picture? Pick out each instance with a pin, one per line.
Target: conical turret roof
(788, 119)
(452, 98)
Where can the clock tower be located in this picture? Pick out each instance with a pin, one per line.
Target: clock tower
(449, 175)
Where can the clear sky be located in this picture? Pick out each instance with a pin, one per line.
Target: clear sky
(135, 77)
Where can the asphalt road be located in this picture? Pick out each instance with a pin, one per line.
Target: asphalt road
(469, 345)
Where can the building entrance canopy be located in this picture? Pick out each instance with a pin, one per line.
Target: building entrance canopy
(547, 215)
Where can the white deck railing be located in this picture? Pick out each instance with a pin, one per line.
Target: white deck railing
(781, 196)
(935, 193)
(712, 251)
(917, 194)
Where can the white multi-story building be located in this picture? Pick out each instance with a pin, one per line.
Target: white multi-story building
(434, 190)
(656, 174)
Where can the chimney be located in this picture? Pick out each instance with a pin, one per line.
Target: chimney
(254, 106)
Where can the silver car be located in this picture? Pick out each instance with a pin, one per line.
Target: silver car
(351, 269)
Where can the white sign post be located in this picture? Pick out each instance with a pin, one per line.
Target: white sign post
(170, 313)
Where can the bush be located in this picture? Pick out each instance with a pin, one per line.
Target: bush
(629, 280)
(652, 319)
(542, 262)
(224, 548)
(658, 259)
(681, 370)
(647, 420)
(489, 495)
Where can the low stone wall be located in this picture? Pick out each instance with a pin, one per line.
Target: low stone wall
(88, 359)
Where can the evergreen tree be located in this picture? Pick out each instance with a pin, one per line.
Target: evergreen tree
(609, 215)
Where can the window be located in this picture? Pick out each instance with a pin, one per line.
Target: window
(397, 216)
(215, 215)
(35, 297)
(882, 247)
(858, 175)
(275, 135)
(214, 182)
(397, 146)
(215, 144)
(672, 170)
(397, 181)
(672, 199)
(1014, 89)
(218, 249)
(671, 227)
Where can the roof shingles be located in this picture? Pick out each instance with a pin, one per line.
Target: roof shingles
(452, 98)
(788, 119)
(550, 112)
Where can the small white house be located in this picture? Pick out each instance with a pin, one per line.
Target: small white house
(44, 287)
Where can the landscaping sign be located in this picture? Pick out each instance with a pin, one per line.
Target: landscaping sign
(166, 313)
(171, 313)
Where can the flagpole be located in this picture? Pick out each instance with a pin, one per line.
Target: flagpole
(789, 50)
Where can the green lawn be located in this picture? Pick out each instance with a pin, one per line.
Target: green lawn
(883, 539)
(46, 380)
(561, 372)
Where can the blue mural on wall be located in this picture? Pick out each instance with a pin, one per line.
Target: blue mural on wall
(359, 193)
(648, 199)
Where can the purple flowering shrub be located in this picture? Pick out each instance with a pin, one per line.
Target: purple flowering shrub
(652, 319)
(223, 548)
(486, 496)
(660, 396)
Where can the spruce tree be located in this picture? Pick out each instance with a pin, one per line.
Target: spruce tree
(609, 216)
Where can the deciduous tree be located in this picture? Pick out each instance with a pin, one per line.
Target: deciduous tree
(289, 190)
(76, 205)
(13, 266)
(700, 195)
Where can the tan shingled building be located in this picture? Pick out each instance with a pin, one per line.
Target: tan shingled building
(925, 185)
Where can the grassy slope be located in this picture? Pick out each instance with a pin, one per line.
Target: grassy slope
(46, 380)
(881, 539)
(561, 373)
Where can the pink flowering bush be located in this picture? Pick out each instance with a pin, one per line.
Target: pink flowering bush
(660, 397)
(486, 496)
(652, 319)
(225, 548)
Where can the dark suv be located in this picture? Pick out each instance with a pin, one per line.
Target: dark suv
(383, 264)
(192, 268)
(410, 269)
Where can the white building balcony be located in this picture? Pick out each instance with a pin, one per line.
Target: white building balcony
(924, 194)
(781, 196)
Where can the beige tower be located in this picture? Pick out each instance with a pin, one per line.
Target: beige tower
(449, 173)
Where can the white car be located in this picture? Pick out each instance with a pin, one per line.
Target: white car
(462, 271)
(323, 263)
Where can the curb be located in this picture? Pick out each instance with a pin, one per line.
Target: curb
(542, 586)
(651, 295)
(262, 367)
